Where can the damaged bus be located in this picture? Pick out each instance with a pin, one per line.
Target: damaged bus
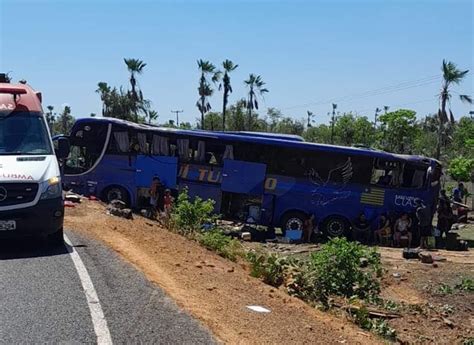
(276, 180)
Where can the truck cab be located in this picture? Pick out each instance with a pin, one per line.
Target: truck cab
(31, 200)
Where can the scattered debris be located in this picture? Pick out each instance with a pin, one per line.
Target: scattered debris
(73, 198)
(448, 322)
(118, 208)
(246, 236)
(426, 258)
(258, 309)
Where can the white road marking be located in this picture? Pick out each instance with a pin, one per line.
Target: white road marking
(98, 319)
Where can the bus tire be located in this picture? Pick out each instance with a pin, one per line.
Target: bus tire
(293, 220)
(116, 193)
(336, 226)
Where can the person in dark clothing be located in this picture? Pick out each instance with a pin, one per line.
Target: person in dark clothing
(423, 215)
(361, 229)
(308, 228)
(445, 213)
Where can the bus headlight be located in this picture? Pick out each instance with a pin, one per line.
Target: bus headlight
(51, 188)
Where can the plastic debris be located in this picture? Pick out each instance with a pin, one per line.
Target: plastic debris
(258, 309)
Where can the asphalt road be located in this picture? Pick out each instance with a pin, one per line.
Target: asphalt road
(42, 299)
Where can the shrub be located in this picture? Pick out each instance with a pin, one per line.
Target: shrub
(377, 326)
(461, 168)
(189, 216)
(466, 284)
(335, 270)
(223, 245)
(269, 267)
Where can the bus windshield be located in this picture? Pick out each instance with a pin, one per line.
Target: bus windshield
(23, 133)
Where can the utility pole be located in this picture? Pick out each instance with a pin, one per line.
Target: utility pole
(334, 107)
(177, 116)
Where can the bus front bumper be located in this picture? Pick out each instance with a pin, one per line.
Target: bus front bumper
(45, 218)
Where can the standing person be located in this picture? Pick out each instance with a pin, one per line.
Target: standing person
(459, 193)
(308, 228)
(445, 213)
(361, 229)
(423, 215)
(154, 195)
(168, 201)
(383, 229)
(402, 228)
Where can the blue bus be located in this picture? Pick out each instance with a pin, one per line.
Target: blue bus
(277, 180)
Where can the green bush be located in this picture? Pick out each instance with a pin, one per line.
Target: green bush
(461, 168)
(335, 270)
(269, 267)
(189, 216)
(223, 245)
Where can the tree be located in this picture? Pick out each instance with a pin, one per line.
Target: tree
(64, 122)
(50, 117)
(152, 116)
(135, 66)
(93, 115)
(213, 120)
(228, 67)
(104, 90)
(399, 130)
(255, 85)
(205, 90)
(318, 134)
(463, 137)
(462, 169)
(451, 76)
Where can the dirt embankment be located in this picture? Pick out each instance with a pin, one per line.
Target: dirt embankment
(212, 289)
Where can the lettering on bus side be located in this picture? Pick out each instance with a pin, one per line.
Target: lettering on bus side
(405, 201)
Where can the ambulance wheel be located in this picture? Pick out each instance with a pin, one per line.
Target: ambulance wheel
(335, 226)
(116, 193)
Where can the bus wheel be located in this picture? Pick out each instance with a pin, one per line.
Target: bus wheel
(335, 226)
(116, 193)
(293, 221)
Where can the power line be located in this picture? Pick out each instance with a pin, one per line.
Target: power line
(177, 116)
(379, 91)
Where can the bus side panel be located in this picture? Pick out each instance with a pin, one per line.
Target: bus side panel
(204, 191)
(243, 177)
(116, 170)
(166, 168)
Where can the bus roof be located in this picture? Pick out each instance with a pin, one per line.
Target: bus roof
(265, 138)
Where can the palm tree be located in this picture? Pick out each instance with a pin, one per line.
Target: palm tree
(451, 76)
(104, 90)
(135, 66)
(152, 115)
(205, 90)
(255, 85)
(50, 118)
(228, 67)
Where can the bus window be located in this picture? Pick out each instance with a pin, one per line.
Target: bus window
(142, 143)
(87, 144)
(288, 162)
(160, 146)
(183, 150)
(386, 173)
(414, 176)
(122, 141)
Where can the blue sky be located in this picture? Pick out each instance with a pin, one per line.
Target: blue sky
(309, 52)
